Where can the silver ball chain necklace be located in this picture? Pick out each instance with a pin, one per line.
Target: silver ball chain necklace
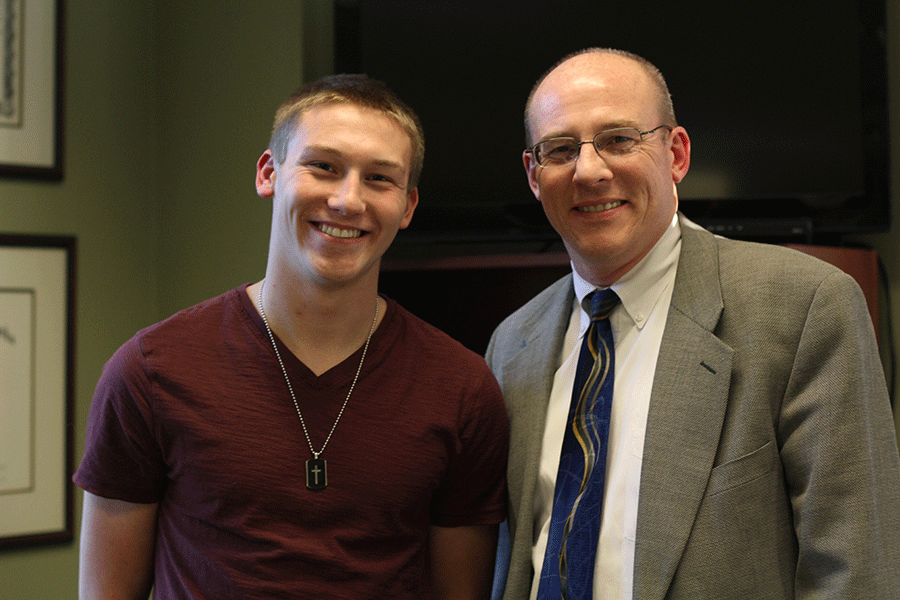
(316, 468)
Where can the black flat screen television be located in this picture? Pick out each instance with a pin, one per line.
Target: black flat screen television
(785, 103)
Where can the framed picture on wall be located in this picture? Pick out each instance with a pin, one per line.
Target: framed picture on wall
(31, 89)
(37, 340)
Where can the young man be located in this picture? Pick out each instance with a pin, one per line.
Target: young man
(301, 437)
(750, 450)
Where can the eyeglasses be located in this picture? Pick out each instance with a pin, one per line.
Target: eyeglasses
(612, 143)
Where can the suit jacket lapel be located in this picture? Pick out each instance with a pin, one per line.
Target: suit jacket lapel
(687, 407)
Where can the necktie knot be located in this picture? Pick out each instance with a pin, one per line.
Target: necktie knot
(602, 302)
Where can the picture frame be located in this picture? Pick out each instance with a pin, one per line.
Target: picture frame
(31, 89)
(37, 382)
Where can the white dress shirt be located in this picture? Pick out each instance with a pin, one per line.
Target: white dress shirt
(637, 327)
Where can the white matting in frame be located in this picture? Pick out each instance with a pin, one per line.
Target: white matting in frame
(31, 88)
(36, 389)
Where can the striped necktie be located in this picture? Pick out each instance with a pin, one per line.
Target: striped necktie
(568, 570)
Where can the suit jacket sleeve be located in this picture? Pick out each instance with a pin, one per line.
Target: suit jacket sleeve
(839, 452)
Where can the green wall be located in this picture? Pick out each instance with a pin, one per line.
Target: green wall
(231, 65)
(108, 199)
(168, 106)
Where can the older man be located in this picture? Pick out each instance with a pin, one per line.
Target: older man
(691, 417)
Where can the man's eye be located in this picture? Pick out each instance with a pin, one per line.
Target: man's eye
(382, 178)
(619, 143)
(561, 150)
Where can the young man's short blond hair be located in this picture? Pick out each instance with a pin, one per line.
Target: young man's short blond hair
(359, 90)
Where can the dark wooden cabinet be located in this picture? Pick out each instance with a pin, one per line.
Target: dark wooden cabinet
(468, 296)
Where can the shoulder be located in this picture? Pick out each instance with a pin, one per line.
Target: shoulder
(769, 259)
(187, 323)
(752, 293)
(779, 274)
(751, 268)
(745, 259)
(184, 332)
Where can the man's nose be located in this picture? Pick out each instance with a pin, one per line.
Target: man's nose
(591, 166)
(348, 198)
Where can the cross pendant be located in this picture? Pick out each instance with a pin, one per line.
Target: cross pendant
(316, 474)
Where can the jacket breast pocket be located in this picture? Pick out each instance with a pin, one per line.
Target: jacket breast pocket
(741, 471)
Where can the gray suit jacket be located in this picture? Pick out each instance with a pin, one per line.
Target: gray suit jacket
(770, 464)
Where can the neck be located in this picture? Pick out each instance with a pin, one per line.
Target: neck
(322, 329)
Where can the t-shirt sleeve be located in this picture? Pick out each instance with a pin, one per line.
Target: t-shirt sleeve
(122, 458)
(473, 491)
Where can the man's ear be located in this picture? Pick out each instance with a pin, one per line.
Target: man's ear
(412, 201)
(531, 171)
(681, 152)
(265, 175)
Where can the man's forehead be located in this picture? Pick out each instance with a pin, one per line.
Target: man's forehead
(348, 131)
(585, 85)
(600, 71)
(328, 119)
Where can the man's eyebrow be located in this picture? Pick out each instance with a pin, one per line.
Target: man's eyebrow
(319, 148)
(389, 163)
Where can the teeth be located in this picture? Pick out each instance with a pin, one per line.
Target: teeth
(600, 207)
(340, 233)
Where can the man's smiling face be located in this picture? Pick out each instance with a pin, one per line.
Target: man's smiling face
(340, 196)
(608, 211)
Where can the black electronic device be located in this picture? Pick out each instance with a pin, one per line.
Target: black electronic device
(785, 103)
